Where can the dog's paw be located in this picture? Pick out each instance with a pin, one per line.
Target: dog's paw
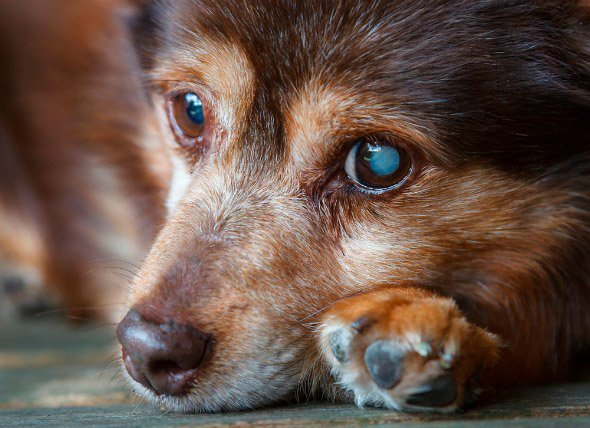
(22, 295)
(406, 350)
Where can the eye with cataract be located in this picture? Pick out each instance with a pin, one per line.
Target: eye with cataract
(377, 166)
(187, 118)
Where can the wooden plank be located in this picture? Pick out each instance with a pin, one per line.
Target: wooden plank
(314, 415)
(47, 363)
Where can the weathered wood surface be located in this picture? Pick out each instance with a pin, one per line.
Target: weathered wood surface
(52, 375)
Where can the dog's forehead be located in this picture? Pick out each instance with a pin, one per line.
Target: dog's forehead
(313, 67)
(423, 70)
(362, 45)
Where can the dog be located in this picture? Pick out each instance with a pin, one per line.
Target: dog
(381, 202)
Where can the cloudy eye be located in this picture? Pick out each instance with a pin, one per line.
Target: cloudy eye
(377, 166)
(187, 117)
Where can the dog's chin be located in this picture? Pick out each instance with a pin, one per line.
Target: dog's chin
(211, 400)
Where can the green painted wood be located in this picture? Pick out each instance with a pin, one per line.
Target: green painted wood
(50, 375)
(48, 363)
(297, 416)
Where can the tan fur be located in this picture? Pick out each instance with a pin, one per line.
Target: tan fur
(244, 243)
(264, 243)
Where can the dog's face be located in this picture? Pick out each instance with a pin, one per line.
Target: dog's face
(327, 148)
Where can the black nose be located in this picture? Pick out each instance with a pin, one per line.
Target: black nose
(163, 357)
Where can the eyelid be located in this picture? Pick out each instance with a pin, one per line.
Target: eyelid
(370, 191)
(168, 86)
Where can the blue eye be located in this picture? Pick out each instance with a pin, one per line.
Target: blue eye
(382, 160)
(377, 166)
(187, 117)
(194, 108)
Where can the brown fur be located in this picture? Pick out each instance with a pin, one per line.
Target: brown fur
(269, 248)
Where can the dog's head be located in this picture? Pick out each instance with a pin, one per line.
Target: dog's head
(325, 148)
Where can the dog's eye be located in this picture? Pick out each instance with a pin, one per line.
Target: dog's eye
(187, 116)
(377, 166)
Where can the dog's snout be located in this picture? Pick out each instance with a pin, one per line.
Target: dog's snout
(161, 356)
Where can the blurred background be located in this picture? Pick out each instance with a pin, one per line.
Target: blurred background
(82, 176)
(82, 184)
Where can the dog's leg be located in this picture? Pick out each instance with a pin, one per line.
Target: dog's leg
(406, 349)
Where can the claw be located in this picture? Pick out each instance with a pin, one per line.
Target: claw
(424, 349)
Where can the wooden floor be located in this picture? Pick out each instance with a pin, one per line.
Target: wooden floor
(53, 375)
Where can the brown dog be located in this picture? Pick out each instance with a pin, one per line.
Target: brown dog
(385, 202)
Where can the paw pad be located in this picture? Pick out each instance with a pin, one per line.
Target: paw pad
(440, 392)
(340, 343)
(12, 284)
(384, 361)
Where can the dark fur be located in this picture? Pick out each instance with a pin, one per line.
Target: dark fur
(491, 97)
(480, 77)
(498, 83)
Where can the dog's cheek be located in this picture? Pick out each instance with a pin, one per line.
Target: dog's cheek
(177, 172)
(179, 183)
(446, 218)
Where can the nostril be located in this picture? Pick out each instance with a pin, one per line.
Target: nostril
(161, 356)
(164, 366)
(167, 368)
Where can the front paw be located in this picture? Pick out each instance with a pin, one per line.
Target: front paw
(407, 350)
(22, 294)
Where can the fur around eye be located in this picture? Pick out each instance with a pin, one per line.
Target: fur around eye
(377, 166)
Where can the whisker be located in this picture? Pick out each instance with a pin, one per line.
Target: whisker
(121, 380)
(109, 259)
(139, 402)
(293, 342)
(121, 287)
(79, 308)
(328, 306)
(111, 359)
(77, 318)
(301, 321)
(106, 269)
(100, 373)
(134, 274)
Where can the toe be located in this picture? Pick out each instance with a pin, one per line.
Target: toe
(440, 392)
(340, 343)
